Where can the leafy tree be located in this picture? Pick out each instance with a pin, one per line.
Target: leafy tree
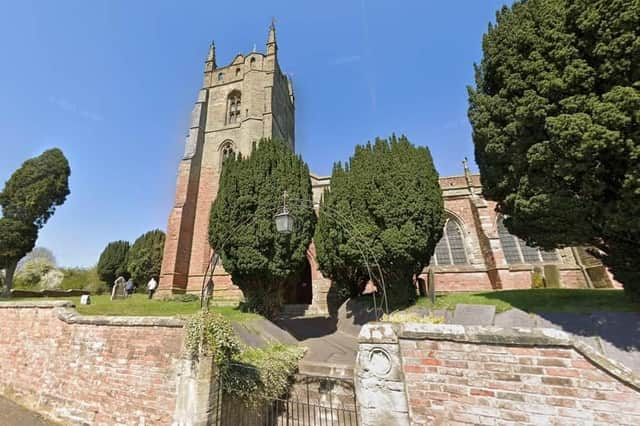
(241, 226)
(556, 126)
(386, 203)
(145, 257)
(16, 239)
(28, 200)
(32, 272)
(113, 261)
(40, 253)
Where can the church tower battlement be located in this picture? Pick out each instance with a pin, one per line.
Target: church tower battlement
(238, 104)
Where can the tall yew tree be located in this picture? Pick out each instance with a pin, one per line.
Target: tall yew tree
(144, 259)
(386, 203)
(242, 228)
(113, 262)
(556, 126)
(28, 200)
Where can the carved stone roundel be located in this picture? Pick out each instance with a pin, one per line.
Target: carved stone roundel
(379, 362)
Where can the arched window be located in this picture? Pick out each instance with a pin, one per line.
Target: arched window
(237, 72)
(221, 77)
(450, 249)
(252, 63)
(227, 150)
(233, 107)
(517, 251)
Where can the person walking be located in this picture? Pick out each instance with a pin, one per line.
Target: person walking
(151, 286)
(129, 287)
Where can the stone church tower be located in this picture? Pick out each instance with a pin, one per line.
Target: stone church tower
(238, 104)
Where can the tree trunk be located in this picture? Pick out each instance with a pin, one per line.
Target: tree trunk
(8, 279)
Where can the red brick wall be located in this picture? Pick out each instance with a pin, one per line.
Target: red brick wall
(511, 280)
(461, 281)
(86, 373)
(572, 279)
(471, 383)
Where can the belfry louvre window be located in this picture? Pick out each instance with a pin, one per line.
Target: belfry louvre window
(450, 248)
(517, 251)
(233, 107)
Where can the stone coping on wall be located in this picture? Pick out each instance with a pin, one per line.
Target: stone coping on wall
(66, 312)
(391, 333)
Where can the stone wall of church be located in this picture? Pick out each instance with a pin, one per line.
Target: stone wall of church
(283, 112)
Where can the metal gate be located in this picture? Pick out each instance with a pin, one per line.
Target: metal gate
(301, 407)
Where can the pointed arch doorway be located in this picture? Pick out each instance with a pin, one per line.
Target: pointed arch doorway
(299, 290)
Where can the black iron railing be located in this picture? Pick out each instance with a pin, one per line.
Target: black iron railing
(302, 407)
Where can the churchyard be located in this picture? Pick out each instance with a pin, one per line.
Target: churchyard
(141, 305)
(384, 294)
(534, 300)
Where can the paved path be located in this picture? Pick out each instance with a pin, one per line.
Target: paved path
(12, 414)
(332, 343)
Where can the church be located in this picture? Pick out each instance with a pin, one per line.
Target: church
(251, 98)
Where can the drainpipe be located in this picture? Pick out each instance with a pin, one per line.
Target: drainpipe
(576, 256)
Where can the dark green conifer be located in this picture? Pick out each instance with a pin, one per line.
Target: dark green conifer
(145, 257)
(113, 262)
(29, 199)
(242, 228)
(385, 204)
(556, 126)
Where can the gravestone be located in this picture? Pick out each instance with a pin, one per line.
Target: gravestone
(118, 291)
(473, 314)
(85, 299)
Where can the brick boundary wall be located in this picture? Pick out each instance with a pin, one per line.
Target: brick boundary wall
(93, 370)
(422, 374)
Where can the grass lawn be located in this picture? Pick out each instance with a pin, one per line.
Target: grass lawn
(139, 304)
(541, 300)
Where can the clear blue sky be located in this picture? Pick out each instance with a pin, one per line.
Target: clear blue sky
(112, 84)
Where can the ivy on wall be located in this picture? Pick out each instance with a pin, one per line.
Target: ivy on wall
(249, 375)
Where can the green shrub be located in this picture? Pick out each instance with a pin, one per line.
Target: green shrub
(252, 375)
(209, 333)
(83, 279)
(258, 375)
